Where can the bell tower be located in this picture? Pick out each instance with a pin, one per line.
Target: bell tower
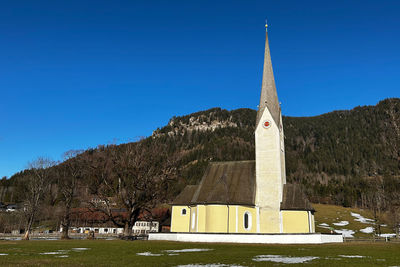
(270, 153)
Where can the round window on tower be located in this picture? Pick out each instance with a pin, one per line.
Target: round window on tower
(266, 124)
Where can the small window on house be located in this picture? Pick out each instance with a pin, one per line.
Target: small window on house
(183, 211)
(247, 220)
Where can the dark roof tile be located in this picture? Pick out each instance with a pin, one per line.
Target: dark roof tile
(185, 197)
(294, 198)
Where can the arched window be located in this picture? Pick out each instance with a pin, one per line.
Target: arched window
(183, 211)
(247, 220)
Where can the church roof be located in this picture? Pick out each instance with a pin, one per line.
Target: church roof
(230, 182)
(234, 183)
(269, 96)
(185, 197)
(294, 198)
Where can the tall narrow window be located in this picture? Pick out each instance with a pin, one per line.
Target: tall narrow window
(193, 220)
(247, 220)
(183, 211)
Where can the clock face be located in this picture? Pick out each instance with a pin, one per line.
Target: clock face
(266, 124)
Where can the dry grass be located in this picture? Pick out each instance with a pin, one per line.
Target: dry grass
(124, 253)
(333, 214)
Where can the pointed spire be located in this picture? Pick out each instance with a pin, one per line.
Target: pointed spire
(269, 97)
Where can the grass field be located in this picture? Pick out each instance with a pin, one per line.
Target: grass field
(329, 215)
(153, 253)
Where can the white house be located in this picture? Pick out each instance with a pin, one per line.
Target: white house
(143, 227)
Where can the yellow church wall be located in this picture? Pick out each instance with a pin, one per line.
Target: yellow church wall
(232, 219)
(180, 222)
(201, 220)
(213, 219)
(216, 219)
(295, 221)
(269, 221)
(240, 219)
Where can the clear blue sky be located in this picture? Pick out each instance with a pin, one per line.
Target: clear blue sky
(75, 74)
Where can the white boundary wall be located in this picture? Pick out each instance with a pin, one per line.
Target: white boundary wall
(249, 238)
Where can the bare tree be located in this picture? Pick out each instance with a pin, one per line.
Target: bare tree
(393, 202)
(68, 174)
(131, 178)
(377, 201)
(35, 185)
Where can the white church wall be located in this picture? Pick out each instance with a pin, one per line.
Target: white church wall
(268, 174)
(268, 164)
(249, 238)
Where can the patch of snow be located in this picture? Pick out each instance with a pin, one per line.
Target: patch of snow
(52, 253)
(323, 224)
(188, 250)
(367, 230)
(283, 259)
(62, 256)
(361, 218)
(351, 256)
(80, 249)
(147, 253)
(342, 223)
(387, 235)
(3, 254)
(345, 232)
(173, 254)
(384, 225)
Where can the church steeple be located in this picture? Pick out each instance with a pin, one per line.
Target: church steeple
(269, 97)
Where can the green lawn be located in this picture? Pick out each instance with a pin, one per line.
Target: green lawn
(330, 214)
(123, 253)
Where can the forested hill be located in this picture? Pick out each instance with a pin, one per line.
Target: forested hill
(334, 155)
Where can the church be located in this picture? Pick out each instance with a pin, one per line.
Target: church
(248, 196)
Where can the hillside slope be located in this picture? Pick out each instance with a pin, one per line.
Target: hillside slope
(333, 155)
